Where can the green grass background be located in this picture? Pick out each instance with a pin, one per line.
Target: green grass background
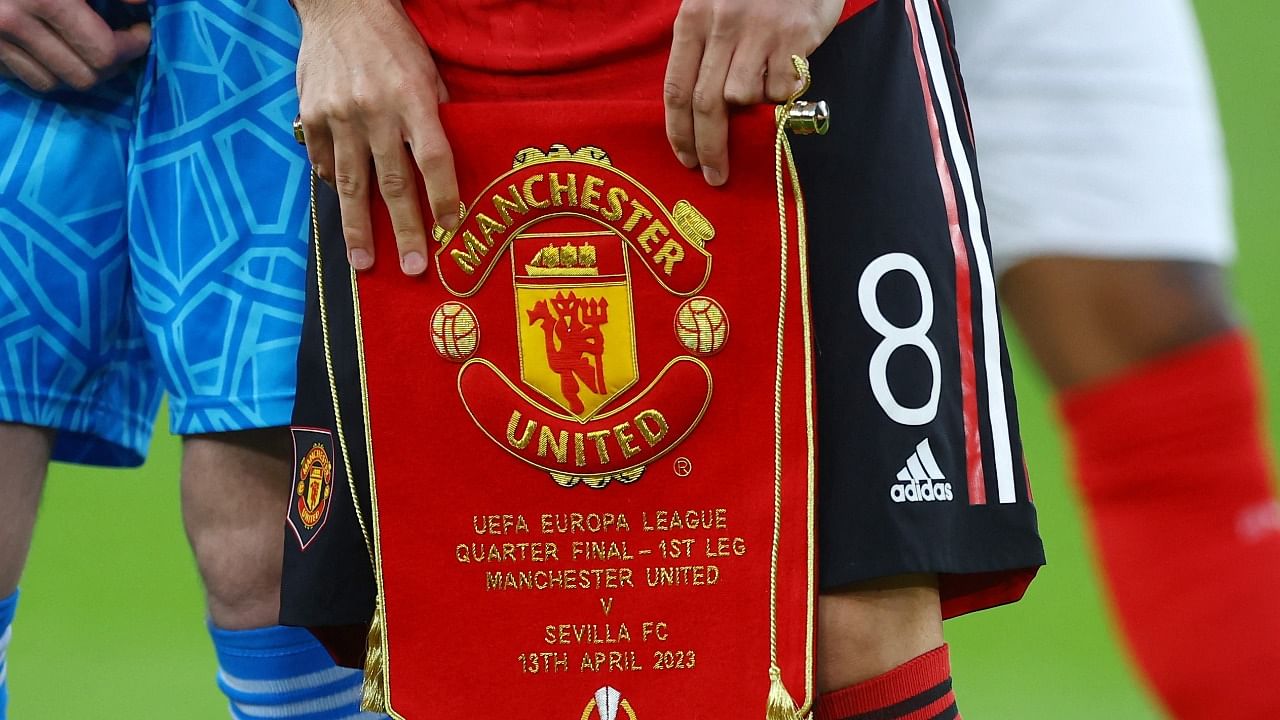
(112, 625)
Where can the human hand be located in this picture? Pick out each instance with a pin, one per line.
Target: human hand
(734, 52)
(47, 43)
(368, 88)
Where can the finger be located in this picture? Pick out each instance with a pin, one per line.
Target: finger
(710, 114)
(84, 32)
(744, 84)
(319, 147)
(128, 56)
(677, 89)
(782, 79)
(131, 43)
(24, 67)
(351, 181)
(398, 184)
(50, 51)
(434, 158)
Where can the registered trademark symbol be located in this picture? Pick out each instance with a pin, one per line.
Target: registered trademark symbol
(683, 467)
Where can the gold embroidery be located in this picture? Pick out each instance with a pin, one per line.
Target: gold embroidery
(560, 152)
(470, 246)
(315, 475)
(455, 332)
(596, 442)
(693, 224)
(701, 325)
(529, 428)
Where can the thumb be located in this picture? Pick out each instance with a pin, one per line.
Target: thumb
(132, 42)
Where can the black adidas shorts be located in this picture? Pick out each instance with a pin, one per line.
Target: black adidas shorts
(920, 461)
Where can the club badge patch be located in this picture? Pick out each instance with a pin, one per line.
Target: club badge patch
(574, 225)
(312, 483)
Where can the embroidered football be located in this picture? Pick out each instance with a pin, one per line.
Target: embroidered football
(454, 331)
(701, 326)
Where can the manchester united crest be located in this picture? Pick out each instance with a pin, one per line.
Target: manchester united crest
(577, 343)
(576, 389)
(313, 483)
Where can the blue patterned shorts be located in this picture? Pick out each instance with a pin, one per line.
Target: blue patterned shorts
(152, 238)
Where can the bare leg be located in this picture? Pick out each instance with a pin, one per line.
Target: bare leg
(874, 627)
(235, 489)
(1089, 319)
(26, 461)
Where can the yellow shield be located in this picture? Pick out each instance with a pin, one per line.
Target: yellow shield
(573, 311)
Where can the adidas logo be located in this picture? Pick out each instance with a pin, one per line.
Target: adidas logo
(919, 480)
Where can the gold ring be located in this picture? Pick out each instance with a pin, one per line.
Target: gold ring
(298, 133)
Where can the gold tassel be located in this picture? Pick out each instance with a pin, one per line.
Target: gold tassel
(781, 705)
(374, 698)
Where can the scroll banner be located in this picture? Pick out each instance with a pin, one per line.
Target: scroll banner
(572, 431)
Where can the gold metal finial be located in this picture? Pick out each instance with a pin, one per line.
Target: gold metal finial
(298, 133)
(803, 117)
(809, 118)
(441, 234)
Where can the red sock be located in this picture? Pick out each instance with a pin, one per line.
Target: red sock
(919, 689)
(1173, 469)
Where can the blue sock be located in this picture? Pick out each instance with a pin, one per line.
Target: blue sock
(283, 673)
(7, 607)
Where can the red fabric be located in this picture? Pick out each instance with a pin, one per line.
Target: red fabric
(452, 474)
(909, 680)
(971, 592)
(498, 49)
(1173, 469)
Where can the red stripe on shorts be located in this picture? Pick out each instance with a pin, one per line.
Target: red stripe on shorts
(964, 300)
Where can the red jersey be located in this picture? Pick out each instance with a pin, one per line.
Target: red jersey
(537, 49)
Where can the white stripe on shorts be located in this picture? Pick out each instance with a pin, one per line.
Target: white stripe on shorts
(986, 281)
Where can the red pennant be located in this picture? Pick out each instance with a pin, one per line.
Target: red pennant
(573, 429)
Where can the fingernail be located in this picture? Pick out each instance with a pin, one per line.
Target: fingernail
(687, 160)
(449, 222)
(360, 259)
(413, 263)
(712, 175)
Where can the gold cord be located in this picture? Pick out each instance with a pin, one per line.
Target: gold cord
(328, 366)
(802, 247)
(781, 705)
(374, 697)
(377, 661)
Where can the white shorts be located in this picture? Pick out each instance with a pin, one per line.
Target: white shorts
(1097, 130)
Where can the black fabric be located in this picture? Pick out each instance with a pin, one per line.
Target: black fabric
(872, 188)
(330, 583)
